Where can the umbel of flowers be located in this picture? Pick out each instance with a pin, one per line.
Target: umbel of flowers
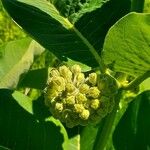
(75, 99)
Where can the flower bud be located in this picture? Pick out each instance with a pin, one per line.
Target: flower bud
(95, 104)
(51, 93)
(54, 72)
(93, 78)
(65, 72)
(84, 88)
(58, 83)
(76, 69)
(80, 78)
(107, 84)
(70, 100)
(78, 108)
(84, 114)
(70, 87)
(80, 98)
(93, 92)
(59, 107)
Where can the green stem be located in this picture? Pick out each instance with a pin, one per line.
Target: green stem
(137, 5)
(108, 125)
(137, 81)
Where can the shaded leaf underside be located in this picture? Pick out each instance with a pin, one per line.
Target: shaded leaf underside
(133, 129)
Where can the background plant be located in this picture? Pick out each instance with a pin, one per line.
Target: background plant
(75, 32)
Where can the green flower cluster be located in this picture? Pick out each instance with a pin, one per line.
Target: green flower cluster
(75, 99)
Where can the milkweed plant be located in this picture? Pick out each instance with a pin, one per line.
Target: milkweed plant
(78, 78)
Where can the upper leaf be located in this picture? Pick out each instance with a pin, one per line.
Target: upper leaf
(127, 45)
(74, 9)
(50, 28)
(42, 20)
(16, 58)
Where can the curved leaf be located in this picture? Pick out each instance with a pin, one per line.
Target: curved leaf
(126, 47)
(76, 9)
(93, 18)
(21, 130)
(39, 76)
(133, 129)
(94, 24)
(16, 59)
(57, 33)
(50, 29)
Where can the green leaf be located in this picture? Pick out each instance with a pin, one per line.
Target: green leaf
(82, 138)
(126, 47)
(133, 129)
(16, 58)
(23, 100)
(145, 85)
(50, 29)
(88, 137)
(74, 138)
(94, 24)
(21, 130)
(35, 79)
(93, 18)
(76, 9)
(58, 34)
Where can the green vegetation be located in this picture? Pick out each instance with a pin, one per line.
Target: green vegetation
(79, 79)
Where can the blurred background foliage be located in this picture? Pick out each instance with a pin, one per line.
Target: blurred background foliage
(147, 6)
(8, 29)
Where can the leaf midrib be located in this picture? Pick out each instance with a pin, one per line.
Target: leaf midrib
(67, 24)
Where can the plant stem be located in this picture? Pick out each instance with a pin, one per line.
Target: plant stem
(108, 125)
(137, 5)
(136, 81)
(93, 51)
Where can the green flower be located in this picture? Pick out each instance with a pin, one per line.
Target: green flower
(75, 99)
(84, 88)
(93, 78)
(59, 107)
(80, 98)
(95, 103)
(70, 100)
(84, 114)
(93, 92)
(76, 69)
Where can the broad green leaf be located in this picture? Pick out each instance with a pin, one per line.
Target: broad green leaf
(50, 29)
(76, 9)
(133, 130)
(57, 33)
(74, 142)
(82, 138)
(95, 24)
(16, 58)
(21, 130)
(93, 18)
(23, 100)
(88, 137)
(145, 85)
(35, 79)
(126, 47)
